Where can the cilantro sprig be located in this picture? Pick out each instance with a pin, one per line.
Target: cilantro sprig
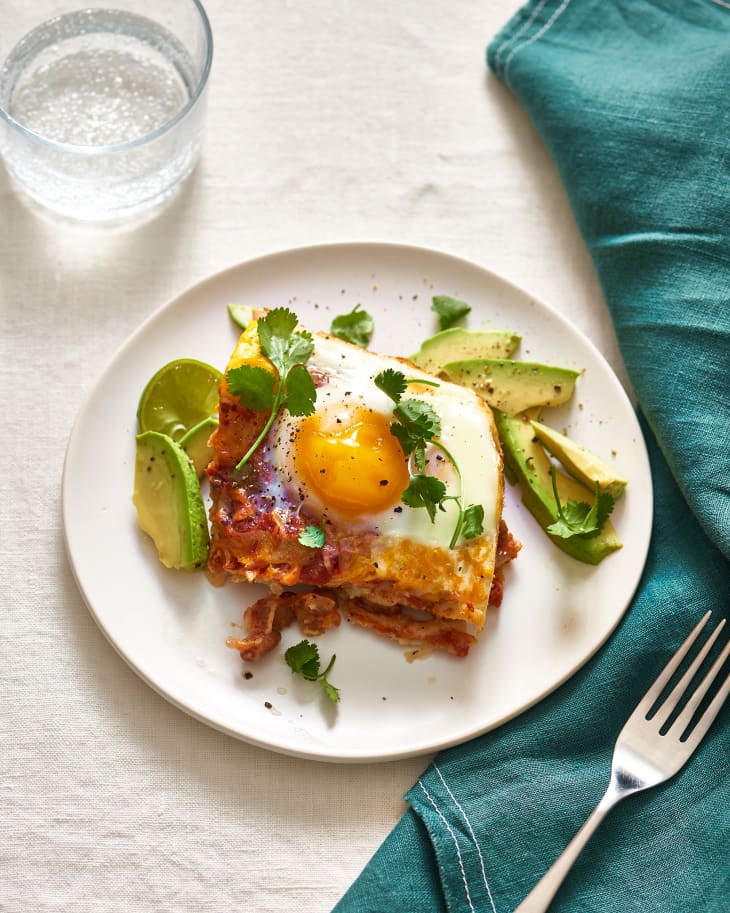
(449, 310)
(356, 327)
(303, 659)
(292, 387)
(576, 518)
(417, 425)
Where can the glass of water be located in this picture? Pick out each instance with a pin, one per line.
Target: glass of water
(102, 107)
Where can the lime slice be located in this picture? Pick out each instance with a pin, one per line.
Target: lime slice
(180, 395)
(195, 443)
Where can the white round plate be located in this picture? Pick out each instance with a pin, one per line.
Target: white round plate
(171, 626)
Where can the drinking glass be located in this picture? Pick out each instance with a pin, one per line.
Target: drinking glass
(102, 107)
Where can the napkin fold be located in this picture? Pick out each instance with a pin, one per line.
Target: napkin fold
(631, 99)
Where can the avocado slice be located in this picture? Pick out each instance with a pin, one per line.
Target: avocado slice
(169, 504)
(195, 443)
(527, 462)
(513, 386)
(242, 314)
(457, 343)
(580, 462)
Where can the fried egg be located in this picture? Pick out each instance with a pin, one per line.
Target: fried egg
(342, 463)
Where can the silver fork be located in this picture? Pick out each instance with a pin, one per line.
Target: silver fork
(644, 756)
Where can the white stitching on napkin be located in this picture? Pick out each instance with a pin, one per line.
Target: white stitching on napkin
(456, 843)
(722, 3)
(525, 44)
(473, 836)
(525, 25)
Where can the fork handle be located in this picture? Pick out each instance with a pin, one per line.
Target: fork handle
(540, 897)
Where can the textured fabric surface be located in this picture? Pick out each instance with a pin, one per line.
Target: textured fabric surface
(630, 99)
(326, 122)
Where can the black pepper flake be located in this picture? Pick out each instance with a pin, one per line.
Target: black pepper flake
(248, 675)
(268, 705)
(398, 510)
(383, 482)
(375, 564)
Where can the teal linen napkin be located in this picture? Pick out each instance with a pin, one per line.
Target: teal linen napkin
(631, 98)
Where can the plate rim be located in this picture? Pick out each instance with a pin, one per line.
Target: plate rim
(283, 746)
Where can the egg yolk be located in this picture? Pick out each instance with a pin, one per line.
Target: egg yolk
(351, 461)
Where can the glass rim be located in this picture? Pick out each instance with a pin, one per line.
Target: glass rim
(147, 137)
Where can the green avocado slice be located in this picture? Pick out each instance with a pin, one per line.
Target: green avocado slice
(513, 386)
(195, 443)
(458, 343)
(242, 314)
(580, 462)
(169, 503)
(527, 462)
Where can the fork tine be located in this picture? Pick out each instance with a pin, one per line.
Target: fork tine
(703, 724)
(649, 699)
(667, 708)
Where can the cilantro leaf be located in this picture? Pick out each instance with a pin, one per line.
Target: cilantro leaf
(419, 456)
(280, 344)
(576, 518)
(356, 327)
(297, 350)
(301, 393)
(425, 491)
(286, 350)
(472, 521)
(449, 310)
(276, 326)
(312, 536)
(254, 387)
(408, 439)
(303, 659)
(419, 417)
(392, 383)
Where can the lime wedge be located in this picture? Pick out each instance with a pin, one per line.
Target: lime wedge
(195, 443)
(181, 394)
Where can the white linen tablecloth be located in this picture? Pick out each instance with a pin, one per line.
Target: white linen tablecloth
(326, 122)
